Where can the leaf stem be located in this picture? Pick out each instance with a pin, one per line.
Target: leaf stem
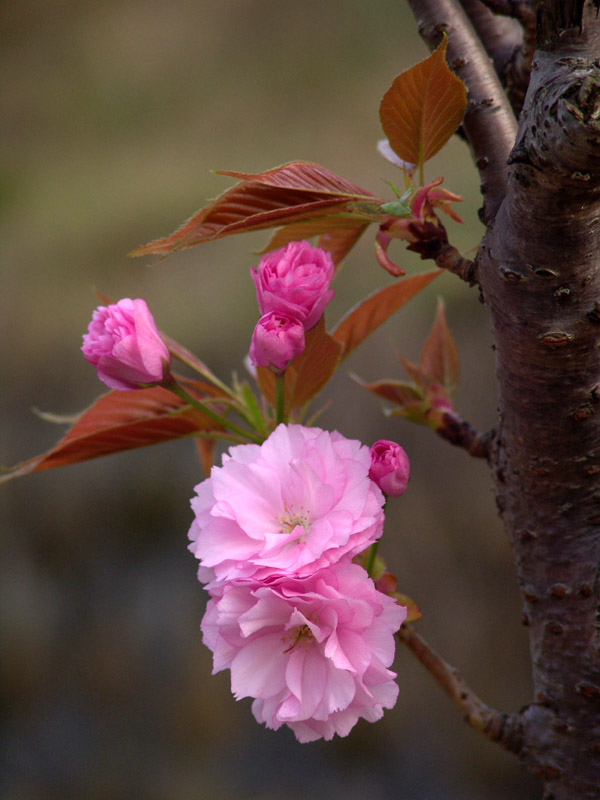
(178, 390)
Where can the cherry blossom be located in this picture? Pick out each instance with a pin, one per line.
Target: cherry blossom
(294, 280)
(125, 346)
(300, 501)
(313, 652)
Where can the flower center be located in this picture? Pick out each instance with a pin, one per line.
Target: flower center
(297, 636)
(291, 519)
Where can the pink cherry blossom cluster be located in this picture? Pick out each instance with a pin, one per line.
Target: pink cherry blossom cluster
(302, 628)
(292, 290)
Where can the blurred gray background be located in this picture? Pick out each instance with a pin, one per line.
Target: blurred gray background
(113, 114)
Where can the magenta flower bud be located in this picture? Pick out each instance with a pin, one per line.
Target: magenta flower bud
(390, 467)
(125, 346)
(277, 339)
(295, 281)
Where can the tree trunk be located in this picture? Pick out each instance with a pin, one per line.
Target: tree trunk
(540, 279)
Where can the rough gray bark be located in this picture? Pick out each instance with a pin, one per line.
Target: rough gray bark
(539, 275)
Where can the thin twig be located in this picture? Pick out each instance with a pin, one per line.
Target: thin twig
(459, 433)
(450, 259)
(499, 727)
(431, 241)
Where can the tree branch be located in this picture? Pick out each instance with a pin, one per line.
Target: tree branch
(450, 259)
(499, 35)
(518, 9)
(509, 44)
(504, 729)
(489, 123)
(455, 430)
(431, 241)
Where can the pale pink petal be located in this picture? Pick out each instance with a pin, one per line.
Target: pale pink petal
(257, 670)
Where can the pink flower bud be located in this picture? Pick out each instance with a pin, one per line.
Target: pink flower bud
(389, 467)
(295, 281)
(125, 346)
(277, 339)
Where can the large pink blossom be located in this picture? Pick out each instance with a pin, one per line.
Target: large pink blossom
(300, 501)
(294, 280)
(314, 653)
(125, 346)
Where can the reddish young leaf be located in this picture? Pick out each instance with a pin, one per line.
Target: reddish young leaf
(290, 194)
(439, 360)
(423, 108)
(414, 372)
(206, 450)
(308, 373)
(337, 235)
(377, 308)
(304, 176)
(323, 227)
(340, 241)
(120, 421)
(397, 392)
(186, 356)
(247, 207)
(413, 613)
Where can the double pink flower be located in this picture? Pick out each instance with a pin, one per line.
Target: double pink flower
(125, 346)
(294, 280)
(292, 290)
(313, 652)
(390, 468)
(276, 341)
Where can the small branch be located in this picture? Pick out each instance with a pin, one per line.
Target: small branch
(504, 729)
(459, 433)
(509, 43)
(450, 259)
(499, 35)
(517, 70)
(431, 241)
(489, 123)
(518, 9)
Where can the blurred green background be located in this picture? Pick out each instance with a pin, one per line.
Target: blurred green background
(113, 114)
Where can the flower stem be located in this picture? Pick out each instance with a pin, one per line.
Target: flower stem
(372, 556)
(280, 398)
(178, 390)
